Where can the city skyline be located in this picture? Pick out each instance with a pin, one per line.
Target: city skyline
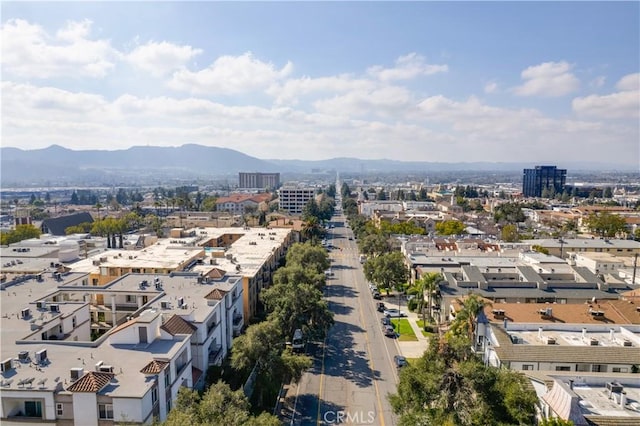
(422, 81)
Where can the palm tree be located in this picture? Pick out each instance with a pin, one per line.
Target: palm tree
(465, 321)
(311, 229)
(427, 283)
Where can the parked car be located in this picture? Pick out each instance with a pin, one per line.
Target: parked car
(394, 313)
(381, 307)
(399, 361)
(376, 295)
(385, 321)
(389, 331)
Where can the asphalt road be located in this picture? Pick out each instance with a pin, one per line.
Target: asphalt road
(353, 369)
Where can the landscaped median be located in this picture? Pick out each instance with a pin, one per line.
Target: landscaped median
(404, 330)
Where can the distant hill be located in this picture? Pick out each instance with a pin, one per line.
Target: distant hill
(191, 161)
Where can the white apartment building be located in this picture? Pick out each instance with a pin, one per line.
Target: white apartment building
(76, 354)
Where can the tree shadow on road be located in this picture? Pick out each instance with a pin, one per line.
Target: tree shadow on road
(342, 359)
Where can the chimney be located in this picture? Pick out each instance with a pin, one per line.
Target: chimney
(571, 384)
(623, 399)
(584, 333)
(540, 333)
(611, 332)
(505, 323)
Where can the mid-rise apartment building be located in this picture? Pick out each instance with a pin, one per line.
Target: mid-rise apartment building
(293, 198)
(258, 180)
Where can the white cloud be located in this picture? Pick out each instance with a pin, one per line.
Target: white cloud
(29, 52)
(629, 82)
(407, 67)
(385, 101)
(491, 87)
(230, 75)
(616, 105)
(548, 79)
(161, 58)
(291, 90)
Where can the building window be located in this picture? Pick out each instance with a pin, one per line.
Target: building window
(598, 368)
(73, 322)
(563, 368)
(154, 395)
(527, 367)
(59, 409)
(33, 409)
(105, 411)
(131, 298)
(167, 377)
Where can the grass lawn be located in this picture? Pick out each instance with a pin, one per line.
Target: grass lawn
(404, 330)
(424, 333)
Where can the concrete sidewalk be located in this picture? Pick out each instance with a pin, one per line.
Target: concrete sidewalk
(414, 349)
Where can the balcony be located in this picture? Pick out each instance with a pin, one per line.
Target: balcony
(238, 323)
(215, 355)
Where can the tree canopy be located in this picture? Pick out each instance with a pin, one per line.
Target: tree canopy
(387, 270)
(450, 227)
(21, 232)
(605, 224)
(450, 385)
(219, 405)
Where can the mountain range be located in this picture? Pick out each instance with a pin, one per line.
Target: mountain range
(58, 164)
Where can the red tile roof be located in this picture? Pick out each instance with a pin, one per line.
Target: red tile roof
(93, 381)
(177, 325)
(216, 294)
(154, 367)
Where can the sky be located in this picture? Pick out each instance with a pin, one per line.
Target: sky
(539, 82)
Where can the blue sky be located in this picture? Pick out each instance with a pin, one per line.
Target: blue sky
(430, 81)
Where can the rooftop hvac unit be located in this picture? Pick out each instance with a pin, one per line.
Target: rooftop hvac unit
(41, 305)
(26, 313)
(627, 342)
(6, 365)
(98, 365)
(593, 342)
(180, 301)
(76, 373)
(106, 369)
(551, 341)
(164, 305)
(23, 356)
(41, 356)
(55, 308)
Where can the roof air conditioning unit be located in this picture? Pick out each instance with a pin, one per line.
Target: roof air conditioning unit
(593, 342)
(164, 305)
(6, 365)
(551, 341)
(41, 356)
(627, 342)
(23, 356)
(98, 365)
(55, 308)
(26, 313)
(41, 305)
(76, 373)
(106, 369)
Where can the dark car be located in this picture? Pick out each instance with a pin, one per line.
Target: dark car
(385, 321)
(381, 307)
(399, 361)
(376, 295)
(389, 331)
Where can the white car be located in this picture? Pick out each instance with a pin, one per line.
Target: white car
(394, 313)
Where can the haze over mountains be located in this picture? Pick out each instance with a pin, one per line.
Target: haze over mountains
(57, 163)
